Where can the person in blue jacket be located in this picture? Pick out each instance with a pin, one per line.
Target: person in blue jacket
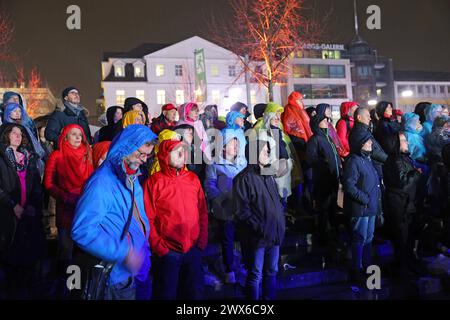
(431, 113)
(412, 129)
(102, 213)
(219, 189)
(235, 124)
(362, 196)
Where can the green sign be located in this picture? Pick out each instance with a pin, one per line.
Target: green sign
(200, 76)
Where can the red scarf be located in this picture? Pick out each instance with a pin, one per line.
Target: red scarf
(76, 165)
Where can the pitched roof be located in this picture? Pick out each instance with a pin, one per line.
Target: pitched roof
(138, 52)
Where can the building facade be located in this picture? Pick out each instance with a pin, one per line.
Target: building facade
(321, 74)
(163, 73)
(412, 87)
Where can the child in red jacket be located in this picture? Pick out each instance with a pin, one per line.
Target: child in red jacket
(176, 208)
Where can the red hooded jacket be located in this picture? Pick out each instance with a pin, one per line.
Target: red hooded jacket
(344, 125)
(66, 171)
(176, 207)
(295, 119)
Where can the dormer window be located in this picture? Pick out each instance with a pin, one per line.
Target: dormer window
(138, 69)
(119, 70)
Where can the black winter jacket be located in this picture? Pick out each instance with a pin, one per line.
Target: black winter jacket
(362, 192)
(258, 207)
(59, 119)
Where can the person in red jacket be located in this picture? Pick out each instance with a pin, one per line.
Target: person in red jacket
(66, 171)
(344, 125)
(176, 208)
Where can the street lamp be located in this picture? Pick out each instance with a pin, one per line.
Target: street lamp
(407, 93)
(372, 102)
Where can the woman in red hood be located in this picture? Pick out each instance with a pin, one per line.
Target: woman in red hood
(344, 125)
(66, 171)
(295, 119)
(176, 208)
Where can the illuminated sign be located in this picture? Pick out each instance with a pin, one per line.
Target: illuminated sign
(339, 47)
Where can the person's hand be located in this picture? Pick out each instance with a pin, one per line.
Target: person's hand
(134, 261)
(18, 211)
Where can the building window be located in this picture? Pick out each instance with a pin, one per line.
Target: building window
(420, 90)
(331, 54)
(319, 71)
(253, 97)
(433, 90)
(178, 70)
(322, 91)
(301, 71)
(232, 71)
(120, 97)
(138, 71)
(119, 71)
(179, 96)
(159, 70)
(364, 71)
(442, 90)
(140, 94)
(216, 96)
(161, 97)
(337, 72)
(214, 70)
(448, 90)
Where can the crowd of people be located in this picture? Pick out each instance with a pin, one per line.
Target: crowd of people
(141, 193)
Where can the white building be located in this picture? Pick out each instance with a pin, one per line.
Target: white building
(321, 75)
(412, 87)
(159, 74)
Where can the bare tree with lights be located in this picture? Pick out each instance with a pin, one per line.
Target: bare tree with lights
(264, 34)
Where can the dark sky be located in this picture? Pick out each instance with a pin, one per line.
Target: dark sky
(415, 33)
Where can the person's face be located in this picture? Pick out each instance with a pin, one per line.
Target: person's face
(275, 121)
(188, 136)
(16, 114)
(418, 126)
(264, 156)
(74, 137)
(177, 157)
(388, 111)
(313, 113)
(403, 143)
(137, 107)
(323, 124)
(140, 156)
(328, 113)
(240, 122)
(214, 113)
(231, 148)
(139, 120)
(15, 137)
(118, 115)
(13, 99)
(399, 119)
(364, 117)
(42, 134)
(367, 146)
(170, 115)
(243, 111)
(444, 112)
(73, 97)
(193, 114)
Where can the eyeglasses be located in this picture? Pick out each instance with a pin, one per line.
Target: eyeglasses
(142, 155)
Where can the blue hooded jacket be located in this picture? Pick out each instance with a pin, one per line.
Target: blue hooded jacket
(431, 113)
(233, 130)
(416, 143)
(105, 204)
(219, 184)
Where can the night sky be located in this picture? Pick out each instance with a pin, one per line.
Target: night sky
(415, 33)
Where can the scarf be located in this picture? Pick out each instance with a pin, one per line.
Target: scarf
(19, 166)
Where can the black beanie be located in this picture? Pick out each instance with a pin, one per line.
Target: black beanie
(66, 91)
